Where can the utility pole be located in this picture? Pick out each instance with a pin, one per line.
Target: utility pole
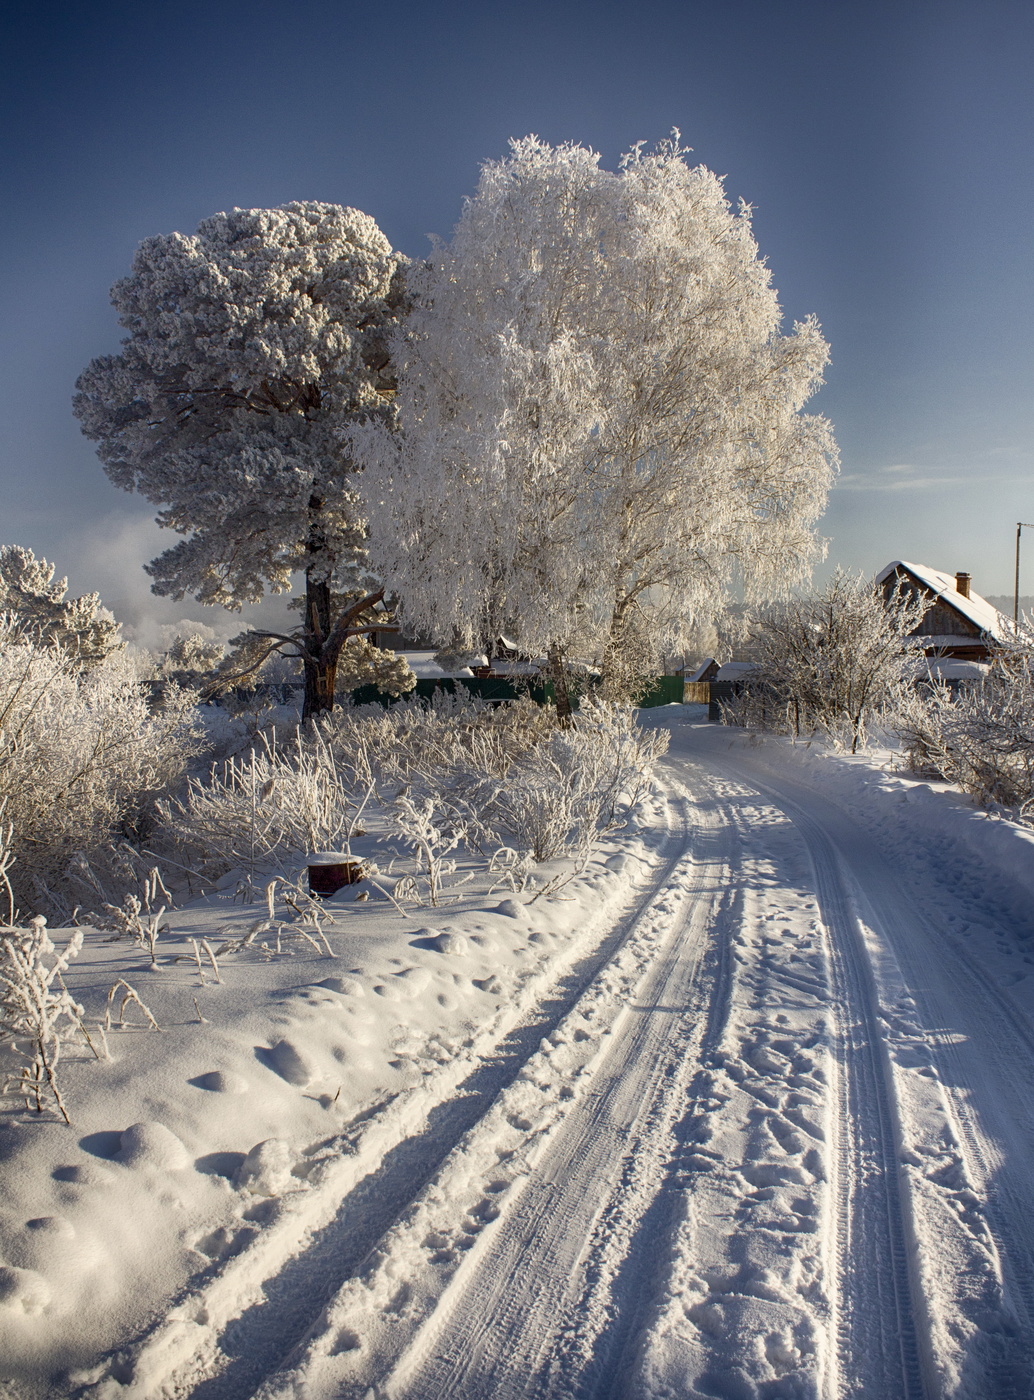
(1016, 587)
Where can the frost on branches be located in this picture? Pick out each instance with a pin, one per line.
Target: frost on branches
(36, 605)
(600, 419)
(37, 1012)
(980, 736)
(828, 664)
(83, 757)
(250, 343)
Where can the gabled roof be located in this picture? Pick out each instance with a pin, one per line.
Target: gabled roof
(978, 610)
(702, 669)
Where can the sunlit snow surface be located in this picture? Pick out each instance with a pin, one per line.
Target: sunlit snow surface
(742, 1112)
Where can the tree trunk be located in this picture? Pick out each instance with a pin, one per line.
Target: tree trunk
(561, 691)
(320, 668)
(320, 679)
(322, 640)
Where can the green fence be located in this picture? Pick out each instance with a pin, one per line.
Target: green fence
(662, 692)
(494, 688)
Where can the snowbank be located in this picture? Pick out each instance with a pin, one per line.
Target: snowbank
(200, 1154)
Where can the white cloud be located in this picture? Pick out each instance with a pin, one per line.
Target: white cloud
(107, 556)
(904, 476)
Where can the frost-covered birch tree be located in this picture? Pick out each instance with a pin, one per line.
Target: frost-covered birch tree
(251, 342)
(600, 418)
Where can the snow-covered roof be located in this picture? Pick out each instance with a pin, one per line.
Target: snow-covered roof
(698, 674)
(978, 610)
(734, 669)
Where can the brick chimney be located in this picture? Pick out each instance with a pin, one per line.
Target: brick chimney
(962, 584)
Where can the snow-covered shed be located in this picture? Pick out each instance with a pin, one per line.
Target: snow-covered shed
(960, 623)
(702, 671)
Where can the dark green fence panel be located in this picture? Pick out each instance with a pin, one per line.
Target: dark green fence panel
(492, 688)
(721, 691)
(662, 691)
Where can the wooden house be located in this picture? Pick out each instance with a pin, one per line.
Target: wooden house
(960, 624)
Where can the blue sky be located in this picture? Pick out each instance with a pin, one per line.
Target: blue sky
(886, 148)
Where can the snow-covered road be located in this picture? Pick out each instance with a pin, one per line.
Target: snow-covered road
(774, 1139)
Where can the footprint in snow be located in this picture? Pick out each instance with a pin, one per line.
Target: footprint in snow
(84, 1174)
(23, 1290)
(785, 1135)
(152, 1146)
(491, 985)
(289, 1061)
(221, 1081)
(344, 986)
(51, 1245)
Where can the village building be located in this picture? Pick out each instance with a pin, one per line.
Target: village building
(960, 626)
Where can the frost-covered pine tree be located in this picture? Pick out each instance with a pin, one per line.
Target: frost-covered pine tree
(251, 342)
(36, 606)
(600, 418)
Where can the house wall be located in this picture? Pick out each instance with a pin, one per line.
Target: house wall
(942, 620)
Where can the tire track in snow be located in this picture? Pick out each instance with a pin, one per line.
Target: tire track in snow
(439, 1308)
(557, 1301)
(879, 1345)
(223, 1340)
(747, 1305)
(956, 1241)
(982, 1055)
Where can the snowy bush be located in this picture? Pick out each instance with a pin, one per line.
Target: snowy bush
(33, 601)
(276, 801)
(511, 777)
(504, 781)
(980, 736)
(566, 791)
(828, 664)
(37, 1013)
(84, 758)
(416, 742)
(432, 832)
(189, 660)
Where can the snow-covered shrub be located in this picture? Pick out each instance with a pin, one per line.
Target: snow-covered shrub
(83, 759)
(567, 790)
(276, 801)
(136, 917)
(453, 659)
(507, 774)
(189, 660)
(417, 742)
(828, 664)
(432, 831)
(37, 1013)
(980, 736)
(362, 663)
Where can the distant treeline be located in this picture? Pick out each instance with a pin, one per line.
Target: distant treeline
(1004, 601)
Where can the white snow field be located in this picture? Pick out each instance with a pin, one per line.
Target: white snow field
(747, 1111)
